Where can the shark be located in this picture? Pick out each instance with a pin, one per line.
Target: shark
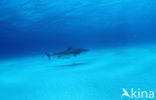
(66, 53)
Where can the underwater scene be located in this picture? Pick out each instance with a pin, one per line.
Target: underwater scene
(77, 49)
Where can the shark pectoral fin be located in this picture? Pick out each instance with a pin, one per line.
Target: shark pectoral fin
(75, 54)
(48, 55)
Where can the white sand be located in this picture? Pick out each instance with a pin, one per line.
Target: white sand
(97, 75)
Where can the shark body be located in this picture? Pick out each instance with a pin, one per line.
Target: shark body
(68, 52)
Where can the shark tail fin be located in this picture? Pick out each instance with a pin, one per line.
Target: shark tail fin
(48, 55)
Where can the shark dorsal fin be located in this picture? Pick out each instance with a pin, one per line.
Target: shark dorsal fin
(69, 48)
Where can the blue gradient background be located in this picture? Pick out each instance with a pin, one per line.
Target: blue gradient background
(36, 26)
(120, 36)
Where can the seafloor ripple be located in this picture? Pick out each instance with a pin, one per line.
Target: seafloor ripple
(99, 75)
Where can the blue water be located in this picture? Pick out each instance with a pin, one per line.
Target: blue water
(27, 26)
(120, 36)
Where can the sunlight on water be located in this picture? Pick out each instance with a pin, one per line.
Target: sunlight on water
(119, 34)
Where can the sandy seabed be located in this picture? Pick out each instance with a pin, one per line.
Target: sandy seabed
(101, 74)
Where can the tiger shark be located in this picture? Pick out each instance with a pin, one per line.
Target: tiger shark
(68, 52)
